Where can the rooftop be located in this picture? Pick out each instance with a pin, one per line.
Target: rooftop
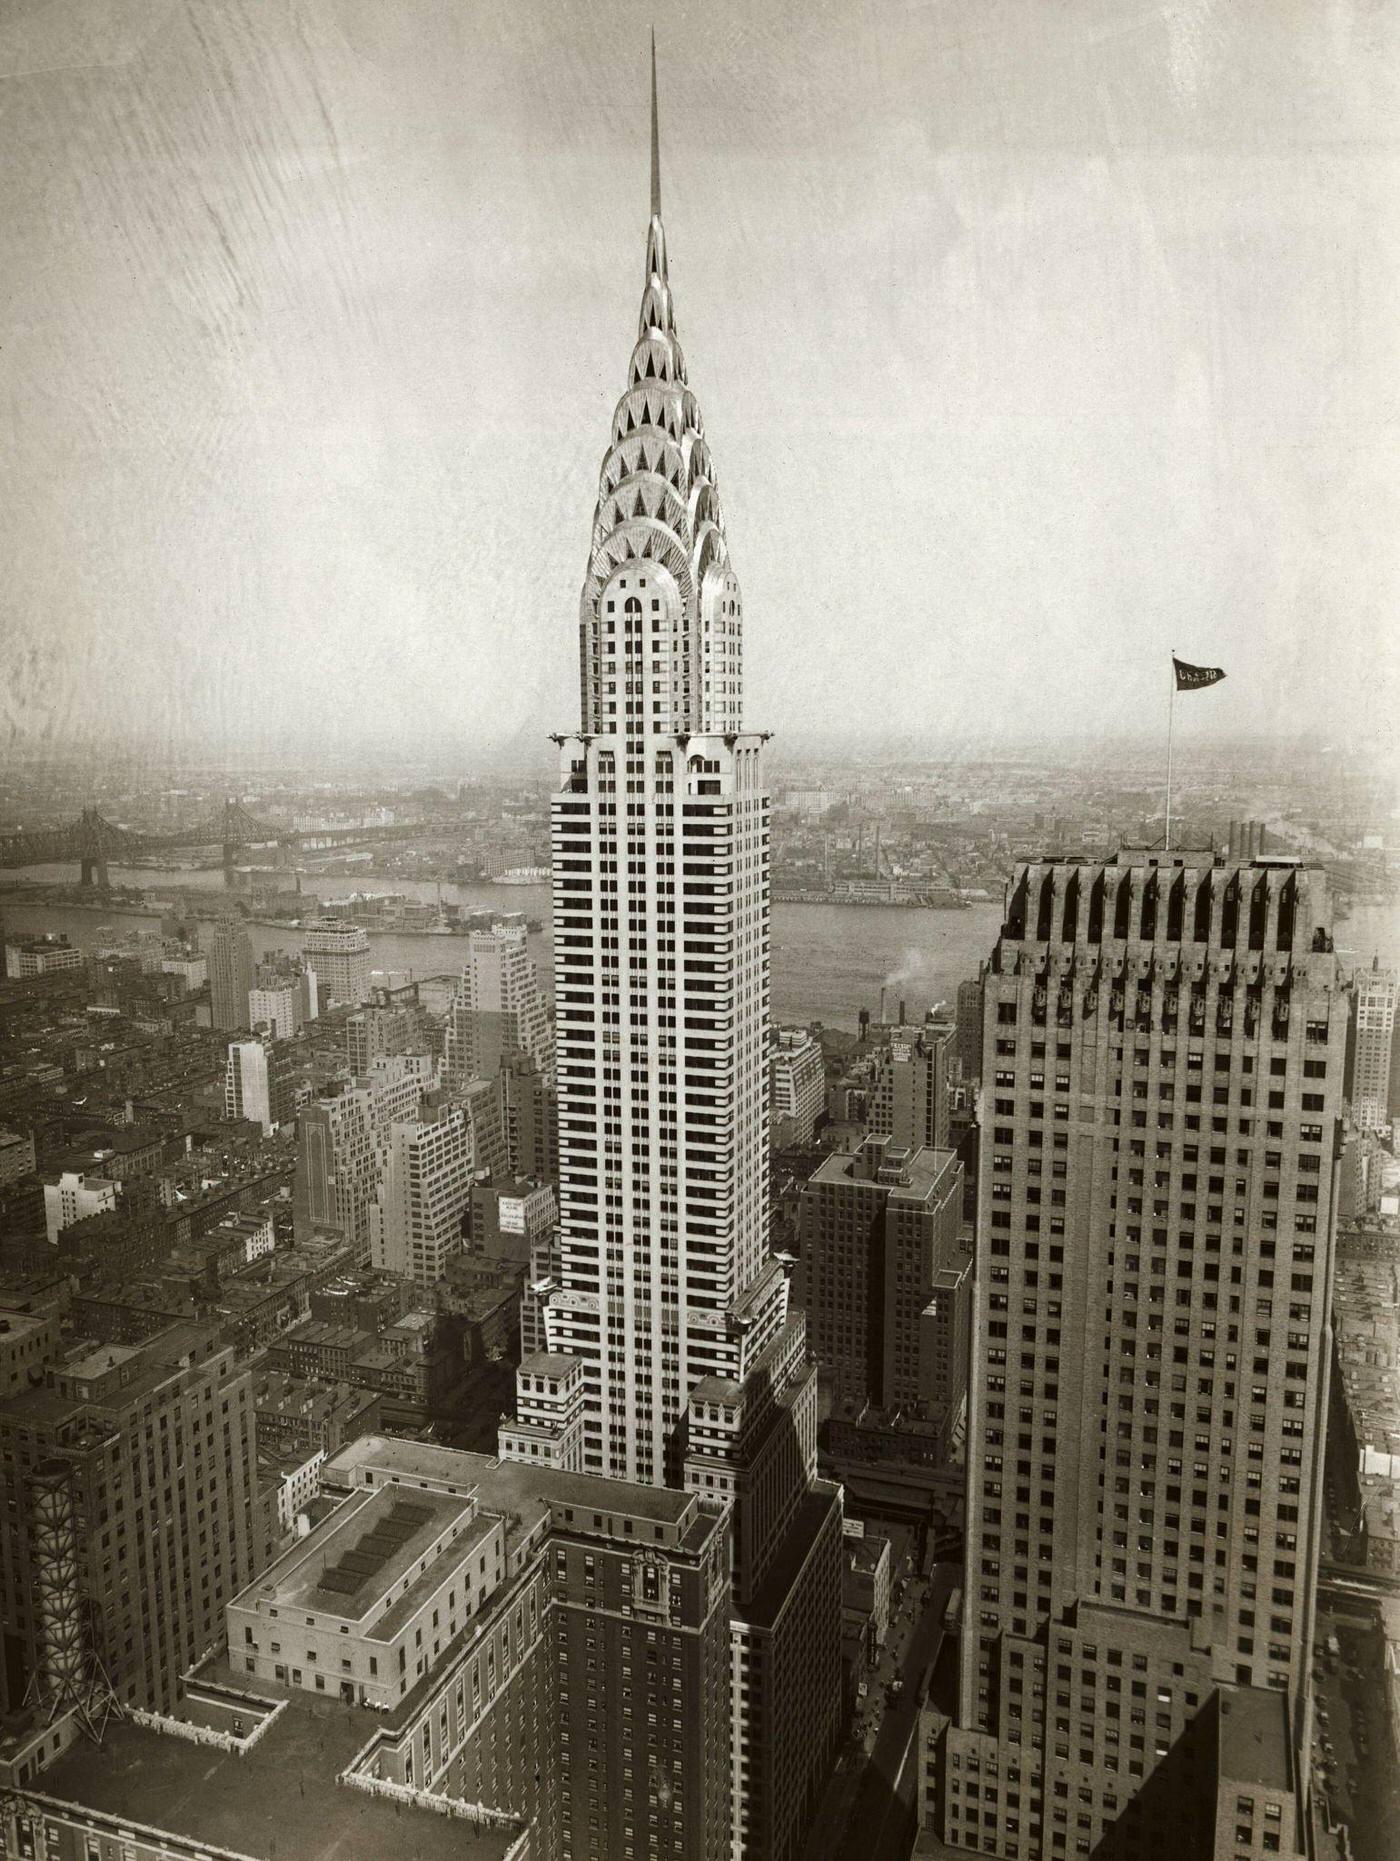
(279, 1799)
(867, 1553)
(90, 1360)
(509, 1487)
(360, 1556)
(1254, 1737)
(808, 1522)
(550, 1363)
(923, 1168)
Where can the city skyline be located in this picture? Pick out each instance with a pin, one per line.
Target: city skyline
(552, 1399)
(1024, 280)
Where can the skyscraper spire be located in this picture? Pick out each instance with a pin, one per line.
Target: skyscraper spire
(655, 139)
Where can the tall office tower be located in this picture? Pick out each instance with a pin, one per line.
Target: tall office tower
(969, 1026)
(134, 1479)
(278, 971)
(909, 1095)
(377, 1032)
(230, 974)
(418, 1220)
(276, 1004)
(501, 1009)
(341, 1144)
(529, 1118)
(798, 1085)
(258, 1084)
(880, 1244)
(754, 1443)
(660, 850)
(1374, 1007)
(339, 954)
(1164, 1046)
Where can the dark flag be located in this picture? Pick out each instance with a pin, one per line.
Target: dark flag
(1194, 678)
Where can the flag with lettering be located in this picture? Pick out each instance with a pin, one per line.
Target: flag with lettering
(1195, 678)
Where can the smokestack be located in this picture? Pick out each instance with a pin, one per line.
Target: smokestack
(901, 1011)
(864, 1023)
(883, 992)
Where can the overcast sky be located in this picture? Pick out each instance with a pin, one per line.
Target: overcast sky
(1033, 338)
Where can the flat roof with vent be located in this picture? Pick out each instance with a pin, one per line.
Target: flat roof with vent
(363, 1554)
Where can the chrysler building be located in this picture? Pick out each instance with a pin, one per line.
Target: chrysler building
(660, 860)
(671, 1357)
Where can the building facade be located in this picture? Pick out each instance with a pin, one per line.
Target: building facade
(879, 1244)
(257, 1084)
(1163, 1056)
(379, 1031)
(16, 1156)
(798, 1086)
(135, 1471)
(230, 963)
(73, 1198)
(969, 1027)
(276, 1004)
(500, 1010)
(41, 956)
(909, 1093)
(338, 953)
(341, 1145)
(529, 1117)
(1376, 993)
(418, 1221)
(660, 863)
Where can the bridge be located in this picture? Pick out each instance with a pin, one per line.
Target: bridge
(92, 843)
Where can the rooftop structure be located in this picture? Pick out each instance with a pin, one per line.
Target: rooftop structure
(281, 1795)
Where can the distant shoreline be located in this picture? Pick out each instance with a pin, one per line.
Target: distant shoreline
(880, 904)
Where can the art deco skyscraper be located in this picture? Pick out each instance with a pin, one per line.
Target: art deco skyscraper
(1376, 996)
(660, 856)
(1162, 1061)
(230, 973)
(500, 1010)
(694, 1371)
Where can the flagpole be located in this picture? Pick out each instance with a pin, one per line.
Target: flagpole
(1171, 715)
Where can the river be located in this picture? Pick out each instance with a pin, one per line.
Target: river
(829, 961)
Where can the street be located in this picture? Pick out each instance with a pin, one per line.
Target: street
(867, 1813)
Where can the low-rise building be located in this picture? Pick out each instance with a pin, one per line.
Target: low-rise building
(247, 1236)
(72, 1197)
(28, 1342)
(865, 1589)
(298, 1415)
(40, 956)
(16, 1156)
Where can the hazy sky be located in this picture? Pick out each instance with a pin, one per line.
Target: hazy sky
(1032, 338)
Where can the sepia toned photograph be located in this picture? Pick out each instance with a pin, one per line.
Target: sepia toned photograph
(699, 930)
